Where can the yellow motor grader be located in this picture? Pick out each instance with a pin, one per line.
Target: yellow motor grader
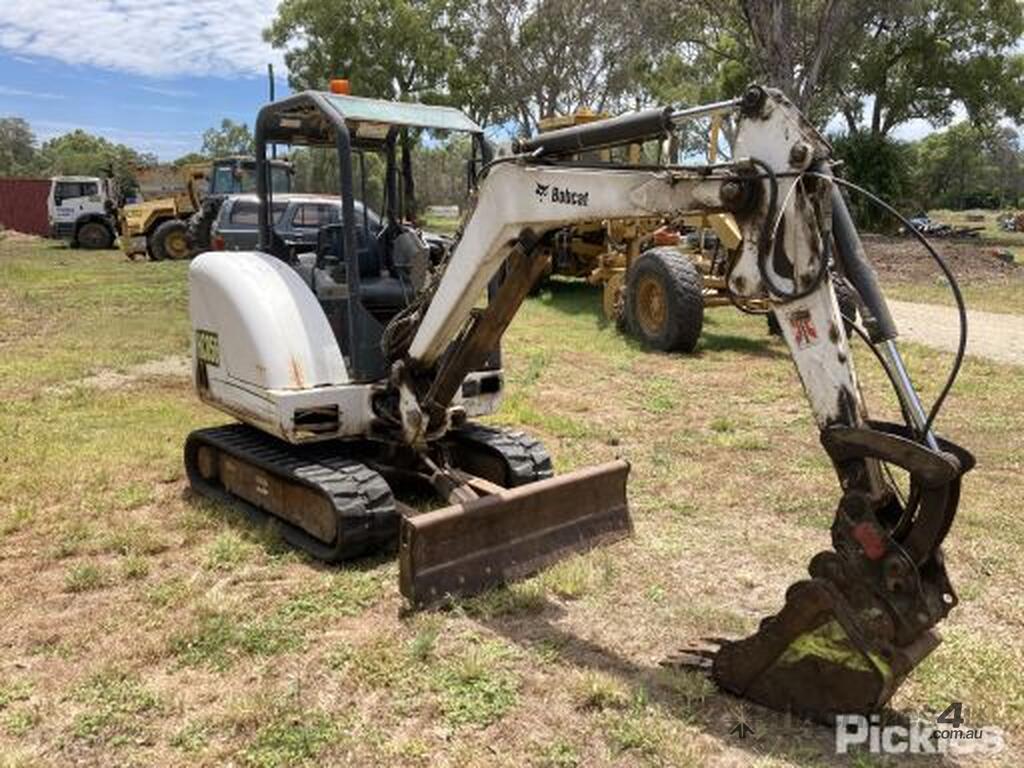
(177, 225)
(686, 260)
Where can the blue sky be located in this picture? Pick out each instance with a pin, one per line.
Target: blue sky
(147, 74)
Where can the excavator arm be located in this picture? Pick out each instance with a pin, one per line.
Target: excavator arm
(846, 636)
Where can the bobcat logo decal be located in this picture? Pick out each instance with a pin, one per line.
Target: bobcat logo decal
(563, 196)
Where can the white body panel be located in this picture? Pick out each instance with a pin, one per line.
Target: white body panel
(274, 362)
(63, 218)
(280, 337)
(514, 197)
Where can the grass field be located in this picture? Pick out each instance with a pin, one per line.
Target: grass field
(144, 626)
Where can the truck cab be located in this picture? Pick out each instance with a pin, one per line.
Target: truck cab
(80, 210)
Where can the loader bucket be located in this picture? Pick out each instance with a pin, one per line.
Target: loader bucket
(466, 548)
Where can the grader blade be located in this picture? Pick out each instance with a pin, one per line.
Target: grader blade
(466, 548)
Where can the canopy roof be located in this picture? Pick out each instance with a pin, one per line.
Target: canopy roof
(359, 109)
(312, 117)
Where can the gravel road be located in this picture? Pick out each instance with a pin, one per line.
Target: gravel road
(989, 334)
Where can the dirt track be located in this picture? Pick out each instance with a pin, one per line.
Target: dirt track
(903, 259)
(996, 336)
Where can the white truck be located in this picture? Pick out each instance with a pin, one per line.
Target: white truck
(82, 210)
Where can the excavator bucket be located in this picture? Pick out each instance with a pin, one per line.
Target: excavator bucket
(848, 636)
(511, 533)
(812, 659)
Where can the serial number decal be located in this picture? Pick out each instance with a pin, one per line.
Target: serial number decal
(564, 196)
(208, 347)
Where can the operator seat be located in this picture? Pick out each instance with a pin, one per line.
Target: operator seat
(382, 291)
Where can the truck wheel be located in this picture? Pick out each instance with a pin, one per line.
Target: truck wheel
(170, 241)
(664, 300)
(94, 236)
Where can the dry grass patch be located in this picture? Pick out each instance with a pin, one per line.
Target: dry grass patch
(255, 655)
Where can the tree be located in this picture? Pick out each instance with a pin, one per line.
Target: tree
(17, 147)
(230, 138)
(711, 49)
(189, 158)
(968, 166)
(923, 58)
(392, 49)
(882, 165)
(534, 59)
(81, 153)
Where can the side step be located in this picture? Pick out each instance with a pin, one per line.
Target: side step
(465, 548)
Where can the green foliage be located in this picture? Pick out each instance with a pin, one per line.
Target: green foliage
(476, 689)
(967, 166)
(881, 165)
(112, 704)
(84, 577)
(922, 58)
(230, 138)
(191, 157)
(82, 154)
(17, 147)
(218, 639)
(291, 739)
(393, 49)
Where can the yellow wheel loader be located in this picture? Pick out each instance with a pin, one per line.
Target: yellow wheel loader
(177, 226)
(356, 374)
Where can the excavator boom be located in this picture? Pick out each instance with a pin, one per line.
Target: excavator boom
(847, 636)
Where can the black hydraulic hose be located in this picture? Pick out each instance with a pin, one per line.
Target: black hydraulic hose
(766, 244)
(953, 285)
(859, 272)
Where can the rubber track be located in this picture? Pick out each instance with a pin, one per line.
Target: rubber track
(526, 457)
(367, 517)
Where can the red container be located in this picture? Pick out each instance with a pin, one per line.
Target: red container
(23, 205)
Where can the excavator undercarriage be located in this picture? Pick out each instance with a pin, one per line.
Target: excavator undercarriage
(357, 384)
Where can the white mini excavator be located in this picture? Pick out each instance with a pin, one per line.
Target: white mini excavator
(356, 372)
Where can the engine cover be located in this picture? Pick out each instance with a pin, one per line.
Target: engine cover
(271, 332)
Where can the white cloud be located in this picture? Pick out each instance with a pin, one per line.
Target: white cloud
(201, 37)
(171, 93)
(23, 94)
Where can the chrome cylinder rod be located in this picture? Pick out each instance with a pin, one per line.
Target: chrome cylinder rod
(678, 116)
(906, 392)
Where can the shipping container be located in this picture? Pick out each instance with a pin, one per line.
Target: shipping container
(23, 205)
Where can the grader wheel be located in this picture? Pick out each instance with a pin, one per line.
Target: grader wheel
(170, 241)
(613, 299)
(664, 300)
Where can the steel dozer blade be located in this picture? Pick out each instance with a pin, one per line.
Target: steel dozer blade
(466, 548)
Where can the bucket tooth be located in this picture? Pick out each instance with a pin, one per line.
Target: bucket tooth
(466, 548)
